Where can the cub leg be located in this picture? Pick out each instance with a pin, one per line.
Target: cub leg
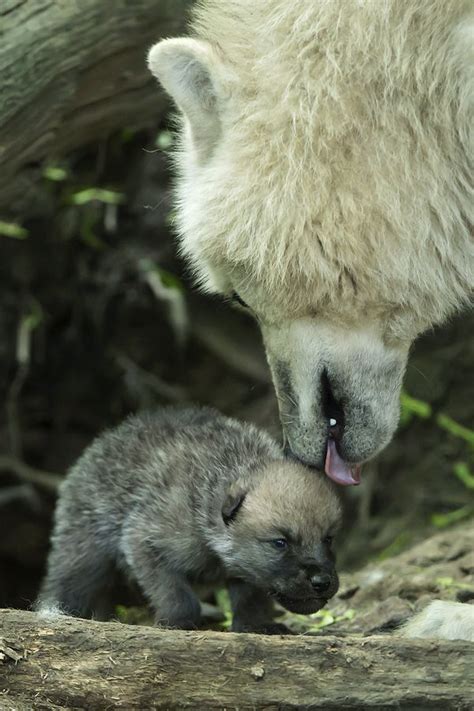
(172, 599)
(78, 580)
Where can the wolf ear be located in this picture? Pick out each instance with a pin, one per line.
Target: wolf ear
(193, 75)
(231, 506)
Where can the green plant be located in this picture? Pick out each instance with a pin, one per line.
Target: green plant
(13, 230)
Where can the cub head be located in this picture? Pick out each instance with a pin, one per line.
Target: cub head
(277, 534)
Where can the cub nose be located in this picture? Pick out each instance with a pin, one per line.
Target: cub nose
(320, 582)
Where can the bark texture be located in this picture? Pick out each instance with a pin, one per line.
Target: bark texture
(66, 663)
(70, 73)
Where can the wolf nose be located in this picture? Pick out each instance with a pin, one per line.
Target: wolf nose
(320, 582)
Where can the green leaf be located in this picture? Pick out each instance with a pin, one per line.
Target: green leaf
(410, 407)
(170, 281)
(133, 615)
(454, 428)
(55, 173)
(33, 320)
(463, 473)
(445, 582)
(11, 229)
(398, 544)
(109, 197)
(223, 600)
(451, 583)
(443, 520)
(325, 618)
(167, 279)
(349, 615)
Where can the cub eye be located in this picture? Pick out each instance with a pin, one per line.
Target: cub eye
(237, 300)
(328, 540)
(280, 543)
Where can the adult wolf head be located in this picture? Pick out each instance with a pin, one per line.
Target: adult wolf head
(324, 180)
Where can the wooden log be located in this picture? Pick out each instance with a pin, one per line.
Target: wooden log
(66, 663)
(72, 71)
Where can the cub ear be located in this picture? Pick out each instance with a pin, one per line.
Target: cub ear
(193, 75)
(231, 506)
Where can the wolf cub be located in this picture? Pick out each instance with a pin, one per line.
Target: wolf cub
(182, 497)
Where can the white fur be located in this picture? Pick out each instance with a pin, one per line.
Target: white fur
(443, 620)
(343, 158)
(325, 175)
(363, 371)
(49, 613)
(192, 72)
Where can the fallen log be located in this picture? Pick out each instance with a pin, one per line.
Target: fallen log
(65, 663)
(71, 73)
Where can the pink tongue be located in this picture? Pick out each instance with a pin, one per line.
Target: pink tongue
(337, 469)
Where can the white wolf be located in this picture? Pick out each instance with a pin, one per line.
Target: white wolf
(324, 180)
